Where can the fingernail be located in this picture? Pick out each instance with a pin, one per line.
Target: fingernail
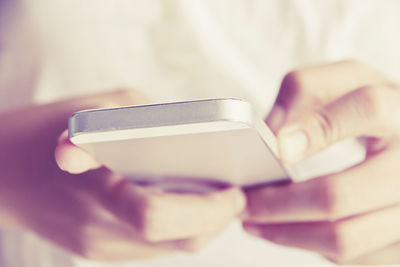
(292, 144)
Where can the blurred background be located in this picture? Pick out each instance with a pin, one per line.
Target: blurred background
(181, 50)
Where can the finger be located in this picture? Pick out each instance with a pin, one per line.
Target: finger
(114, 246)
(363, 188)
(314, 86)
(368, 111)
(326, 82)
(276, 118)
(71, 158)
(193, 245)
(108, 99)
(158, 216)
(340, 241)
(114, 249)
(388, 256)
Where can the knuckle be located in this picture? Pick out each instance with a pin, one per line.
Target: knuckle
(293, 80)
(193, 246)
(86, 251)
(85, 245)
(132, 96)
(340, 246)
(150, 220)
(295, 85)
(123, 97)
(373, 102)
(102, 255)
(327, 130)
(332, 204)
(368, 101)
(125, 93)
(89, 255)
(354, 63)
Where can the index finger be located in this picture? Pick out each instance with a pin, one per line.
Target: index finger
(328, 81)
(313, 86)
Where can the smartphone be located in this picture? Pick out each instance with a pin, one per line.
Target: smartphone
(207, 140)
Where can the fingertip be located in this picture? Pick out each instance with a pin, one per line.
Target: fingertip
(293, 143)
(72, 159)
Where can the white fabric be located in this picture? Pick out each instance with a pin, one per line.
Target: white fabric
(176, 50)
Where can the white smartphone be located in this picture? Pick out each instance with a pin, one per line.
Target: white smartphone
(208, 140)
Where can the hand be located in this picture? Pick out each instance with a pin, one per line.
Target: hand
(345, 215)
(95, 213)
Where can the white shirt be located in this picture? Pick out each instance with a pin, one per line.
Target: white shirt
(177, 50)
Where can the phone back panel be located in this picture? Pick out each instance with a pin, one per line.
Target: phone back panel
(239, 157)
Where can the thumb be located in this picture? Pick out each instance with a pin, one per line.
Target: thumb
(71, 158)
(362, 112)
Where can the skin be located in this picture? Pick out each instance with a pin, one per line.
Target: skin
(344, 216)
(52, 188)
